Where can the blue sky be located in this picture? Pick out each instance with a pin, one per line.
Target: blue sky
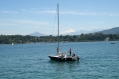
(27, 16)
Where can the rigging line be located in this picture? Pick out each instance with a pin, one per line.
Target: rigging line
(54, 24)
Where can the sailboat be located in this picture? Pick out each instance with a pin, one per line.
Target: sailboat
(62, 56)
(12, 43)
(113, 42)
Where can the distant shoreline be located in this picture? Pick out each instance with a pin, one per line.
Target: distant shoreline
(19, 39)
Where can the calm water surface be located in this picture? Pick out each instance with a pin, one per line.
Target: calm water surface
(98, 60)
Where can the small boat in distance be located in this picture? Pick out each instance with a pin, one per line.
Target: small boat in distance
(12, 43)
(62, 56)
(113, 42)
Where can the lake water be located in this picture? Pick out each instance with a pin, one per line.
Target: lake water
(98, 60)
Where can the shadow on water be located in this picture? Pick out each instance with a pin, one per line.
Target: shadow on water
(62, 66)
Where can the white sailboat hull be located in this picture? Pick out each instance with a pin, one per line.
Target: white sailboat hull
(67, 58)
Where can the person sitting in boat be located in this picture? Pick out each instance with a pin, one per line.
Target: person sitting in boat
(62, 55)
(74, 55)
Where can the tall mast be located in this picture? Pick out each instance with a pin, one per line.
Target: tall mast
(58, 22)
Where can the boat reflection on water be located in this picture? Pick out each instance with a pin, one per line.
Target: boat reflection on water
(61, 66)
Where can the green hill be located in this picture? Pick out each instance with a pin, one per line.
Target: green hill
(110, 31)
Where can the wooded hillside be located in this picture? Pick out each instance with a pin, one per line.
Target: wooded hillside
(8, 39)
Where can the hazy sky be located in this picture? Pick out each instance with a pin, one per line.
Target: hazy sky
(28, 16)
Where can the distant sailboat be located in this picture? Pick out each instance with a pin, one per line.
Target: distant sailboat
(107, 39)
(12, 43)
(62, 56)
(113, 42)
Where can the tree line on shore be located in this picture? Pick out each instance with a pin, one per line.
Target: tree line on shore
(8, 39)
